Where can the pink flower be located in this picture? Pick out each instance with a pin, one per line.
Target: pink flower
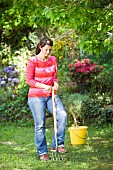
(79, 70)
(86, 70)
(101, 67)
(70, 65)
(92, 68)
(87, 61)
(78, 64)
(83, 70)
(84, 65)
(94, 64)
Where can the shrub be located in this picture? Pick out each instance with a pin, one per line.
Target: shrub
(93, 110)
(83, 71)
(8, 82)
(73, 103)
(89, 108)
(14, 100)
(17, 110)
(103, 82)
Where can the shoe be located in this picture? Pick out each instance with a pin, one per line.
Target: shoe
(44, 157)
(60, 149)
(53, 149)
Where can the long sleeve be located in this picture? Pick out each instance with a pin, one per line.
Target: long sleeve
(55, 78)
(40, 74)
(30, 73)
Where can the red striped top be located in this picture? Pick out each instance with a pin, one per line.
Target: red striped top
(43, 72)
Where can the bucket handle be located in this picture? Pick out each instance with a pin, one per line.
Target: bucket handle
(76, 124)
(80, 136)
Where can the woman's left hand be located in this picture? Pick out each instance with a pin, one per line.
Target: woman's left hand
(56, 86)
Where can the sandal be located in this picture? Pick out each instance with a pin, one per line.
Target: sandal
(44, 157)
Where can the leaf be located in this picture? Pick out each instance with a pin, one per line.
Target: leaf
(99, 27)
(106, 42)
(82, 44)
(62, 14)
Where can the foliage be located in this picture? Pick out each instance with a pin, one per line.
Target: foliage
(64, 51)
(17, 110)
(64, 45)
(71, 24)
(83, 71)
(17, 23)
(18, 59)
(89, 107)
(9, 82)
(92, 21)
(93, 110)
(18, 150)
(72, 103)
(103, 81)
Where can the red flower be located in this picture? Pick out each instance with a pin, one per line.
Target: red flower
(87, 61)
(101, 67)
(92, 68)
(79, 70)
(87, 70)
(84, 70)
(70, 65)
(78, 64)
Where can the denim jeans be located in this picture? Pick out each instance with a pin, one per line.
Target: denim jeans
(38, 106)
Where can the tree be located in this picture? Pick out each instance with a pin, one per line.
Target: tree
(91, 19)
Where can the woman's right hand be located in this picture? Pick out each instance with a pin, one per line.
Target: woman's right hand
(44, 86)
(49, 88)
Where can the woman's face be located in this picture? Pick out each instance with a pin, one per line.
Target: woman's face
(46, 50)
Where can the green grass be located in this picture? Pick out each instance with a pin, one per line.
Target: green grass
(17, 150)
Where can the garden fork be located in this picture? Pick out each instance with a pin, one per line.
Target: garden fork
(55, 155)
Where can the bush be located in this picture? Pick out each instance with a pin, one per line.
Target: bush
(8, 82)
(73, 103)
(103, 81)
(83, 71)
(17, 110)
(89, 108)
(14, 106)
(94, 110)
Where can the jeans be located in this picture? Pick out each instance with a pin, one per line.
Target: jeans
(38, 106)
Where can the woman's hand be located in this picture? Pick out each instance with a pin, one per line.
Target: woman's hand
(56, 86)
(49, 88)
(44, 86)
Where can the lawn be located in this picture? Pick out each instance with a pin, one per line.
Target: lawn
(17, 150)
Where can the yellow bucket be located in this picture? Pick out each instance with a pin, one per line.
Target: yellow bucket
(78, 135)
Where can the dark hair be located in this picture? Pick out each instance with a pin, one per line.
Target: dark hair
(44, 41)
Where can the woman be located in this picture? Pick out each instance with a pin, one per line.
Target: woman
(41, 76)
